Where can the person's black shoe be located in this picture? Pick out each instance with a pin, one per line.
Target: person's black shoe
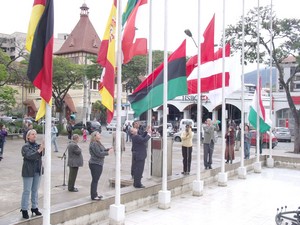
(139, 186)
(36, 212)
(24, 214)
(183, 173)
(210, 167)
(74, 190)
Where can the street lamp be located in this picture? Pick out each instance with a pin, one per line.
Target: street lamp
(189, 33)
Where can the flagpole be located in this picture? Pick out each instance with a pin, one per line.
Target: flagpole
(242, 171)
(222, 176)
(47, 167)
(149, 72)
(117, 210)
(164, 196)
(257, 165)
(198, 184)
(270, 160)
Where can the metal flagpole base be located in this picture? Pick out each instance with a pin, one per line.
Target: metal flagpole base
(270, 162)
(257, 167)
(222, 179)
(164, 199)
(197, 188)
(116, 214)
(242, 172)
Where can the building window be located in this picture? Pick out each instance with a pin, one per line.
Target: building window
(94, 85)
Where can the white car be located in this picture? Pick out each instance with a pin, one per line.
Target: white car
(111, 126)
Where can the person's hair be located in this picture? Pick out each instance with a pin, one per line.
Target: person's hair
(29, 132)
(75, 137)
(93, 136)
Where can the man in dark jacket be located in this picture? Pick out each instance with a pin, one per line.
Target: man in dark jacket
(75, 160)
(139, 153)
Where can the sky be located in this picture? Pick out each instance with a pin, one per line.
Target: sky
(182, 14)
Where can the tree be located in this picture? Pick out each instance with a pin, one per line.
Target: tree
(285, 41)
(99, 111)
(138, 67)
(66, 75)
(7, 100)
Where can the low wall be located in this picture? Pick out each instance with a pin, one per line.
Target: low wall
(87, 212)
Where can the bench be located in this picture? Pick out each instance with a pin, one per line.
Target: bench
(13, 135)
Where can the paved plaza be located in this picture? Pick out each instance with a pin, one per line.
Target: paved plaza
(250, 201)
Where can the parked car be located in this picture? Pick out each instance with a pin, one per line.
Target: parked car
(266, 138)
(111, 126)
(177, 135)
(282, 134)
(91, 126)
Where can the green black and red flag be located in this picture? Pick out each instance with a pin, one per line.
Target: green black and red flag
(149, 93)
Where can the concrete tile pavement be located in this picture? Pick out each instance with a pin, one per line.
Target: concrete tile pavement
(253, 201)
(11, 182)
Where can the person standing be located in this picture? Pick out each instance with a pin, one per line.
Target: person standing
(229, 150)
(135, 125)
(247, 142)
(69, 130)
(31, 173)
(208, 142)
(97, 155)
(54, 132)
(139, 152)
(127, 131)
(3, 134)
(75, 160)
(187, 148)
(84, 133)
(237, 138)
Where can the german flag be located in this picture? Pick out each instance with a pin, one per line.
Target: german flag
(39, 42)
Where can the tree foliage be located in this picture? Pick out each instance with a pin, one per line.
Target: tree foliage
(138, 67)
(7, 100)
(66, 75)
(284, 37)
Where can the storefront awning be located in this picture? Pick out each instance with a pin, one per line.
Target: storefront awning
(30, 103)
(69, 102)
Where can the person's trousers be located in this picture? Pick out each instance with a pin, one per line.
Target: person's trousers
(96, 171)
(132, 164)
(72, 177)
(187, 158)
(246, 150)
(138, 172)
(54, 142)
(1, 148)
(30, 184)
(208, 152)
(237, 145)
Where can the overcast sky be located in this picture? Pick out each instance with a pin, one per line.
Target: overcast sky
(15, 16)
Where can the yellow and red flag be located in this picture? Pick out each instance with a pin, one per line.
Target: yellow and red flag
(107, 59)
(39, 42)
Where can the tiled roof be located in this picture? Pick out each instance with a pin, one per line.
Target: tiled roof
(289, 59)
(83, 38)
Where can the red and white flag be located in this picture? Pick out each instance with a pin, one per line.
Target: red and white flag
(134, 39)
